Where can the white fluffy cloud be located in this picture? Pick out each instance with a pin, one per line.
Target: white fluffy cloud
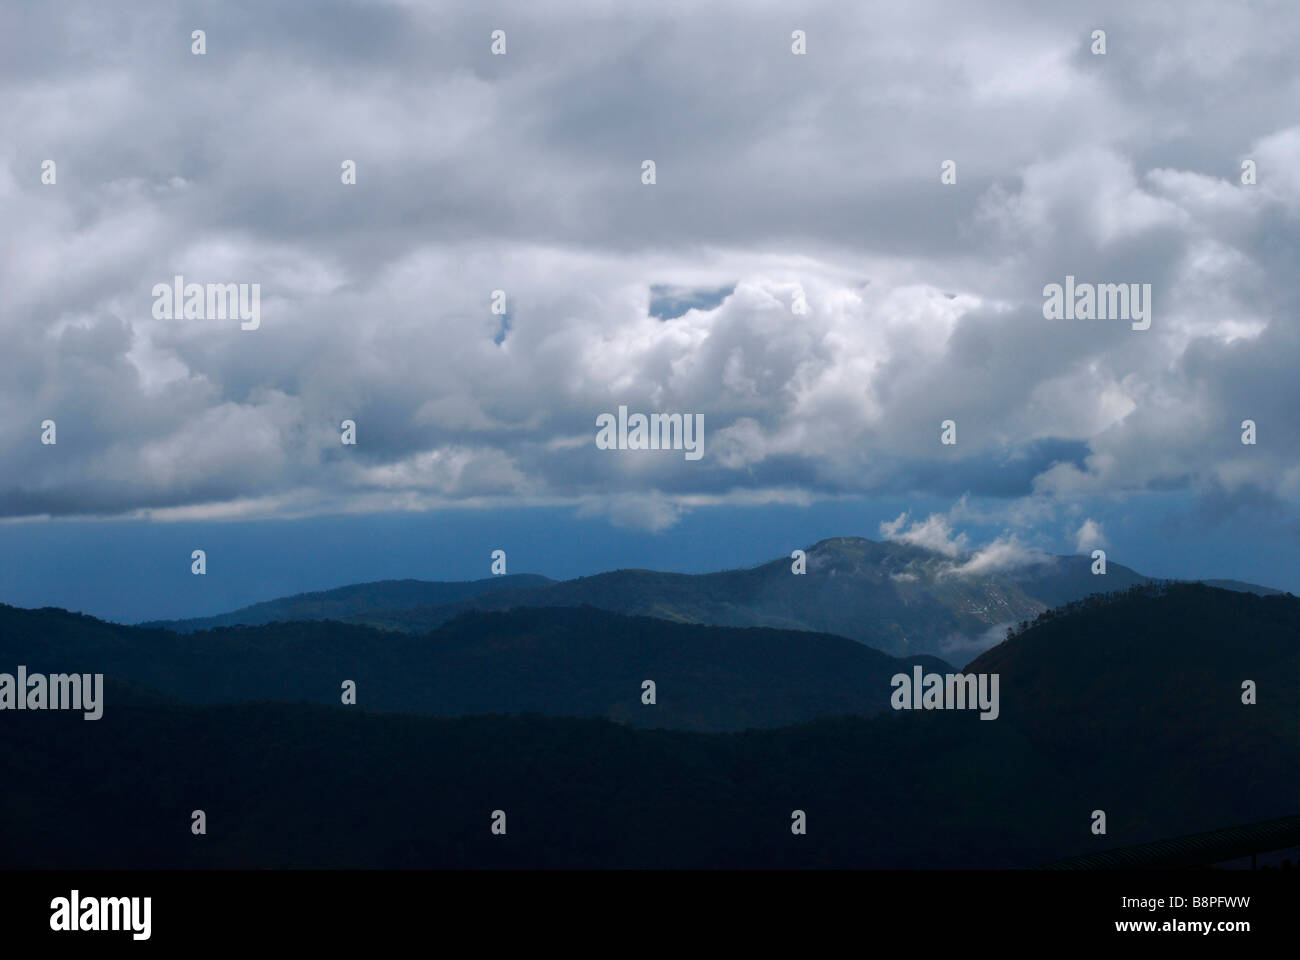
(813, 177)
(935, 533)
(1004, 553)
(1089, 536)
(932, 533)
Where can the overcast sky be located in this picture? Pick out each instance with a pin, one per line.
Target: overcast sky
(779, 178)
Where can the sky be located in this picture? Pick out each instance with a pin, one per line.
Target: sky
(798, 274)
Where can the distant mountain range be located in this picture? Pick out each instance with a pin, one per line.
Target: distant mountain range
(898, 598)
(1128, 703)
(356, 602)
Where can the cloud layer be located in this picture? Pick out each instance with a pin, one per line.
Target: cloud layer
(785, 180)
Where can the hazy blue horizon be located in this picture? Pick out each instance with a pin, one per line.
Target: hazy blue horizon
(128, 571)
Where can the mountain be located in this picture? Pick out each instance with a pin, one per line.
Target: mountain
(899, 598)
(354, 602)
(1128, 703)
(896, 597)
(553, 661)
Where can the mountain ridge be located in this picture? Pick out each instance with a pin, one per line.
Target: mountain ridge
(900, 598)
(359, 598)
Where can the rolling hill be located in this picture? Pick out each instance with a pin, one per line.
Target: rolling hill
(1129, 703)
(554, 661)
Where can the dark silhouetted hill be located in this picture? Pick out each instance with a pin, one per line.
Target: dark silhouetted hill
(1130, 704)
(556, 661)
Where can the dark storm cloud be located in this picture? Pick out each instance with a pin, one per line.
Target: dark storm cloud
(780, 180)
